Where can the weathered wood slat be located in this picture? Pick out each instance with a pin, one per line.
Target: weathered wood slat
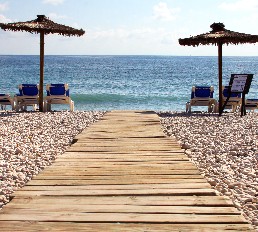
(65, 207)
(97, 154)
(127, 165)
(32, 215)
(127, 200)
(118, 187)
(119, 192)
(109, 171)
(120, 157)
(29, 226)
(169, 164)
(110, 181)
(116, 149)
(112, 157)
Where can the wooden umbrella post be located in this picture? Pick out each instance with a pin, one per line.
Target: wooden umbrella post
(41, 71)
(220, 77)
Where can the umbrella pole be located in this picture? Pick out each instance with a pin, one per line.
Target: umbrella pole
(220, 77)
(41, 71)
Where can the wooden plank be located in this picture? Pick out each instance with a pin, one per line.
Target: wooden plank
(117, 187)
(129, 166)
(31, 226)
(127, 200)
(32, 215)
(111, 149)
(119, 176)
(119, 192)
(131, 147)
(125, 169)
(113, 155)
(138, 160)
(111, 166)
(123, 163)
(134, 144)
(109, 181)
(84, 156)
(66, 207)
(137, 173)
(118, 143)
(109, 171)
(115, 179)
(121, 153)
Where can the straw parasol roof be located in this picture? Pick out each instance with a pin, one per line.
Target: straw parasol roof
(219, 36)
(43, 26)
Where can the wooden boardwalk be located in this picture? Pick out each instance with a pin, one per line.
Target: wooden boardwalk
(121, 174)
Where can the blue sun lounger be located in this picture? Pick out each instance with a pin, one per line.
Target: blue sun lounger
(57, 94)
(251, 104)
(5, 99)
(201, 96)
(28, 96)
(234, 102)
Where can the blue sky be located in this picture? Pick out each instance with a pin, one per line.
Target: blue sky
(128, 27)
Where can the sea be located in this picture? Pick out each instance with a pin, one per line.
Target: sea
(101, 82)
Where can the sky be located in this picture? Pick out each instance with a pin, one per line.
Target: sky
(128, 27)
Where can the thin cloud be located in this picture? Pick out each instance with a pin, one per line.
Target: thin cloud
(161, 11)
(53, 2)
(240, 5)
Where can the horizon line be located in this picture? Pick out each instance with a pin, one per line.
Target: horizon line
(128, 55)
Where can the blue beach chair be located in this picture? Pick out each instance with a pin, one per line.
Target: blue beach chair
(5, 99)
(251, 104)
(201, 96)
(28, 96)
(234, 102)
(57, 94)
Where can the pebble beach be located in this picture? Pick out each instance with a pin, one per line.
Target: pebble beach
(225, 150)
(31, 141)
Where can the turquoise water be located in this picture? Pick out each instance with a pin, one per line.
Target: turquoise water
(126, 82)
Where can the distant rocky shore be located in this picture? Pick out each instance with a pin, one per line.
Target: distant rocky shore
(225, 150)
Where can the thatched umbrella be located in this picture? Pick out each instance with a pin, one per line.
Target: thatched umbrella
(219, 36)
(42, 25)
